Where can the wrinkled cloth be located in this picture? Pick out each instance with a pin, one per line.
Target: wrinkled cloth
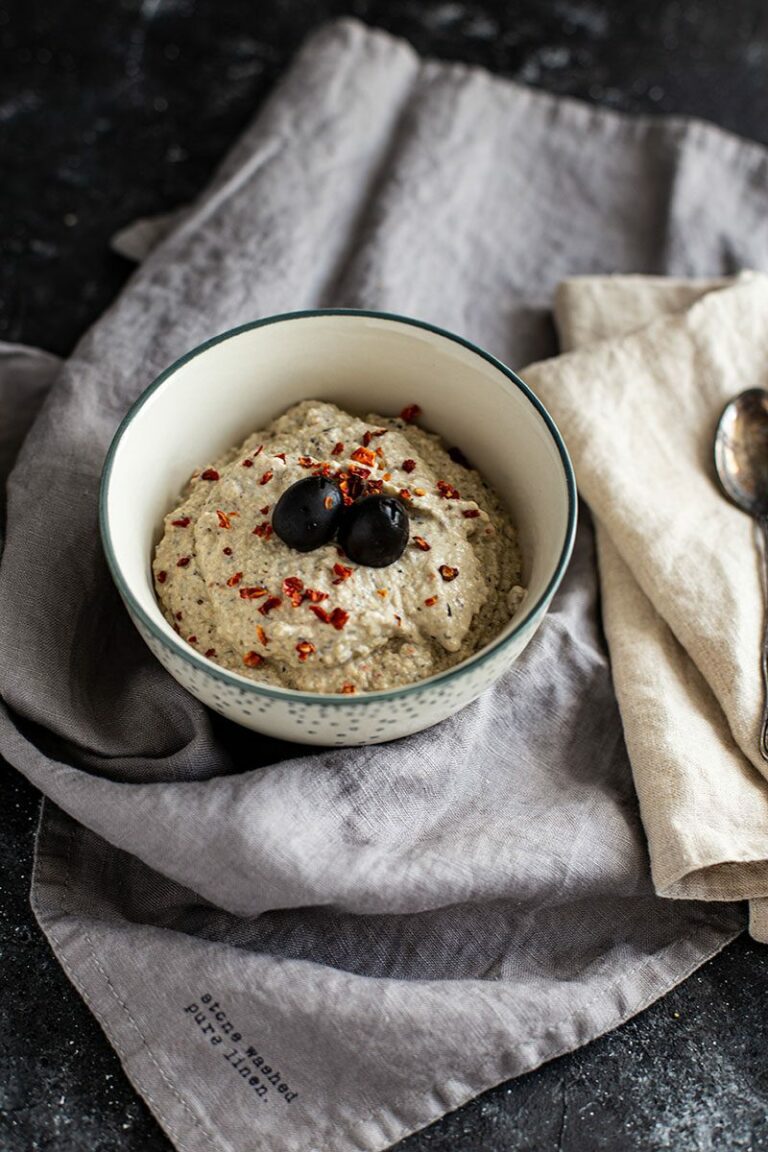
(308, 950)
(679, 565)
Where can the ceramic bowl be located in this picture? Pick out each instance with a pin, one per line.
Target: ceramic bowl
(220, 392)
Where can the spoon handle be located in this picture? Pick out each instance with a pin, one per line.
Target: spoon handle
(764, 565)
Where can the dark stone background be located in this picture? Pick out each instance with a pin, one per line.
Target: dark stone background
(110, 110)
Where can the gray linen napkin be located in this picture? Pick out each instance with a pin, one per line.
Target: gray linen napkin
(328, 950)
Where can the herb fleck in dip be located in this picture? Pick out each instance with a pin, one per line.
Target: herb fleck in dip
(315, 620)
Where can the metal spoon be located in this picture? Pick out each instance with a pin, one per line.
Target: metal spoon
(741, 463)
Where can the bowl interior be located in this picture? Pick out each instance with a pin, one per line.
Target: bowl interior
(214, 398)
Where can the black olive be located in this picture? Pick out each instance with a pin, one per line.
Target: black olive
(374, 532)
(307, 514)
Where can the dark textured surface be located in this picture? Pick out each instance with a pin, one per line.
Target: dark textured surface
(112, 110)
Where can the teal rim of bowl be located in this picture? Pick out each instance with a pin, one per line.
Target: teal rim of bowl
(335, 699)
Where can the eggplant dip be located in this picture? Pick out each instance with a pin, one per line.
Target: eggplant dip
(335, 554)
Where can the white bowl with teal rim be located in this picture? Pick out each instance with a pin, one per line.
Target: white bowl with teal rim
(235, 383)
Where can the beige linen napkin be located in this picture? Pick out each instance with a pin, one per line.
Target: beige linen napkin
(638, 400)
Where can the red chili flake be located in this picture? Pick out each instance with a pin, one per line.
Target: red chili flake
(419, 492)
(280, 456)
(161, 577)
(266, 478)
(254, 593)
(252, 659)
(410, 413)
(430, 601)
(305, 461)
(351, 487)
(329, 502)
(408, 465)
(339, 618)
(264, 510)
(471, 513)
(387, 476)
(227, 551)
(210, 653)
(356, 470)
(263, 530)
(209, 474)
(234, 580)
(268, 605)
(258, 451)
(374, 486)
(383, 592)
(405, 494)
(183, 561)
(337, 449)
(448, 573)
(320, 613)
(323, 469)
(458, 457)
(420, 542)
(247, 463)
(342, 573)
(183, 523)
(293, 589)
(305, 649)
(224, 520)
(447, 491)
(348, 689)
(314, 596)
(262, 635)
(368, 436)
(364, 456)
(179, 615)
(191, 639)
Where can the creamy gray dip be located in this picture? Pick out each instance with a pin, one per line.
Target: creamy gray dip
(315, 621)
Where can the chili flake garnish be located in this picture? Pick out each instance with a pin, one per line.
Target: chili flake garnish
(183, 561)
(254, 593)
(305, 461)
(314, 596)
(183, 523)
(262, 635)
(447, 491)
(227, 551)
(471, 513)
(339, 618)
(191, 639)
(252, 659)
(419, 492)
(263, 530)
(224, 520)
(280, 456)
(264, 510)
(348, 689)
(323, 469)
(408, 465)
(268, 605)
(293, 589)
(364, 456)
(430, 601)
(374, 485)
(351, 487)
(305, 649)
(209, 474)
(247, 463)
(368, 436)
(356, 470)
(266, 477)
(448, 573)
(342, 573)
(210, 652)
(161, 577)
(320, 613)
(405, 494)
(420, 542)
(383, 592)
(234, 580)
(337, 449)
(410, 413)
